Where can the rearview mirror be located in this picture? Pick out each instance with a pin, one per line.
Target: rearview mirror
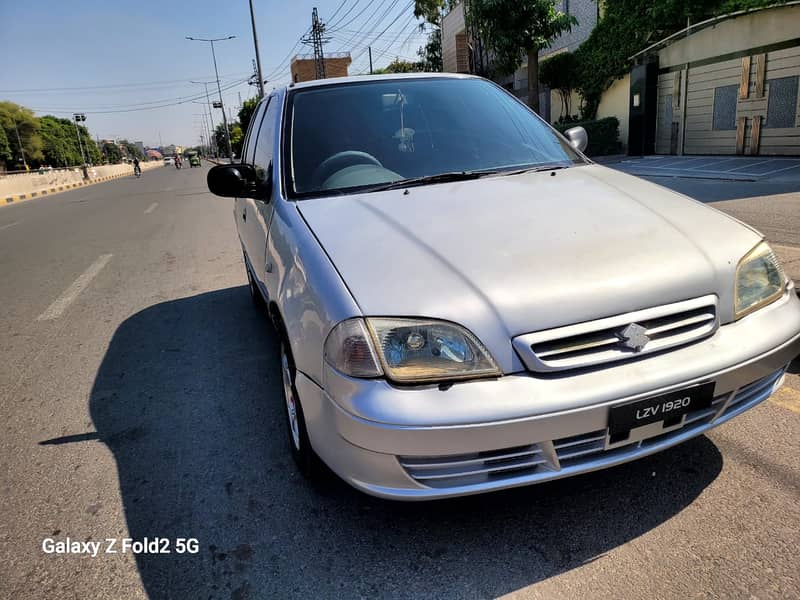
(237, 181)
(578, 138)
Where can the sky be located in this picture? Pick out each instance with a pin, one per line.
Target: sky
(110, 59)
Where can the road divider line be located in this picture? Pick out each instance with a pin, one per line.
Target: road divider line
(6, 226)
(57, 308)
(151, 208)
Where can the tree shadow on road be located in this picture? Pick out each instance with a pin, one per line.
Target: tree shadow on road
(188, 400)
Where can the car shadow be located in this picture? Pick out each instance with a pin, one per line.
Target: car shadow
(188, 400)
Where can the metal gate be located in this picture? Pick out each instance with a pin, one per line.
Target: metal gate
(748, 105)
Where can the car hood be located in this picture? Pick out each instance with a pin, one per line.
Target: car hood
(528, 252)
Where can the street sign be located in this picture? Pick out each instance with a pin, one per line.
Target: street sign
(216, 104)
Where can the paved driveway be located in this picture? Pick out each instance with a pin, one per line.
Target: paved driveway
(736, 168)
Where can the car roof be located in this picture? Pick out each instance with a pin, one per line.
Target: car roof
(365, 78)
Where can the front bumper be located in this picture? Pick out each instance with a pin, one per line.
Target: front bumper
(431, 442)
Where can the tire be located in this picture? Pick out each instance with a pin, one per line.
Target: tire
(307, 461)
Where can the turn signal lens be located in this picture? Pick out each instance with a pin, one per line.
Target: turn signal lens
(349, 350)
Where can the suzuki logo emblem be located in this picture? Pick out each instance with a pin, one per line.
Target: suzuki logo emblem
(634, 336)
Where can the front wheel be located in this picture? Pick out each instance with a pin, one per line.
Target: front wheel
(307, 461)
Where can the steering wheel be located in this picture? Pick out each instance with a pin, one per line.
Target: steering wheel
(339, 161)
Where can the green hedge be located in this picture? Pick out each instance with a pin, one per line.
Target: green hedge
(603, 135)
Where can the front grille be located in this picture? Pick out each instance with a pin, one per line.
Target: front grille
(545, 460)
(602, 341)
(465, 469)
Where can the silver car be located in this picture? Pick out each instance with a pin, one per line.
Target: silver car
(467, 303)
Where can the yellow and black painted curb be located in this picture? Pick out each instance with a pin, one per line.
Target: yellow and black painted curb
(61, 188)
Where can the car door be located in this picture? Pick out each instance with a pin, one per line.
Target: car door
(258, 211)
(245, 215)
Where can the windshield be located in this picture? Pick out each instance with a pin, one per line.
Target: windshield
(351, 136)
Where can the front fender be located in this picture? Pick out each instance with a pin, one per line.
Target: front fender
(306, 288)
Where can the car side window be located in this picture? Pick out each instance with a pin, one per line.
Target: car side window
(265, 141)
(252, 133)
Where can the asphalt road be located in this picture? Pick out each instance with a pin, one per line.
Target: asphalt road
(140, 399)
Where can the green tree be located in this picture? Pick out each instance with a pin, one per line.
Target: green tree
(5, 148)
(629, 26)
(58, 147)
(132, 149)
(237, 137)
(432, 11)
(514, 28)
(112, 153)
(246, 112)
(90, 149)
(60, 143)
(401, 66)
(559, 73)
(430, 54)
(15, 118)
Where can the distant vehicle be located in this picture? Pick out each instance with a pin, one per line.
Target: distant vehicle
(194, 160)
(169, 161)
(466, 303)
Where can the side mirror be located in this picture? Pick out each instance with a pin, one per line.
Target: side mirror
(578, 138)
(237, 181)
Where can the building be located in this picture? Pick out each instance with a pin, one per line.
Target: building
(460, 45)
(171, 150)
(140, 146)
(728, 85)
(304, 67)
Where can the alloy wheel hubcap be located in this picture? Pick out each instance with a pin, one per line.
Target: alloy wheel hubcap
(291, 406)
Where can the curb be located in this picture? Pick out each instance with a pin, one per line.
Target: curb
(61, 188)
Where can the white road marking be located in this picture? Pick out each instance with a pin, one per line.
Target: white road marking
(8, 225)
(760, 162)
(151, 208)
(779, 170)
(57, 308)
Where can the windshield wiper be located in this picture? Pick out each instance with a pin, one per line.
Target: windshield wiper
(537, 168)
(428, 179)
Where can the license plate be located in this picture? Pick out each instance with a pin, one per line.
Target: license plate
(666, 407)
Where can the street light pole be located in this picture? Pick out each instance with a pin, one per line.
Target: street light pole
(219, 88)
(79, 117)
(211, 142)
(19, 141)
(258, 55)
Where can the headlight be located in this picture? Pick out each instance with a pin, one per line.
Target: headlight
(407, 350)
(423, 350)
(759, 280)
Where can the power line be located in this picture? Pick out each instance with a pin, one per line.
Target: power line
(277, 70)
(103, 112)
(336, 12)
(149, 102)
(377, 37)
(362, 11)
(108, 86)
(344, 16)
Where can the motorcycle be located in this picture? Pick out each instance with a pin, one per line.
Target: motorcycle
(137, 171)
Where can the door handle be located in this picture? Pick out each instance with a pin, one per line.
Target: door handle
(244, 215)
